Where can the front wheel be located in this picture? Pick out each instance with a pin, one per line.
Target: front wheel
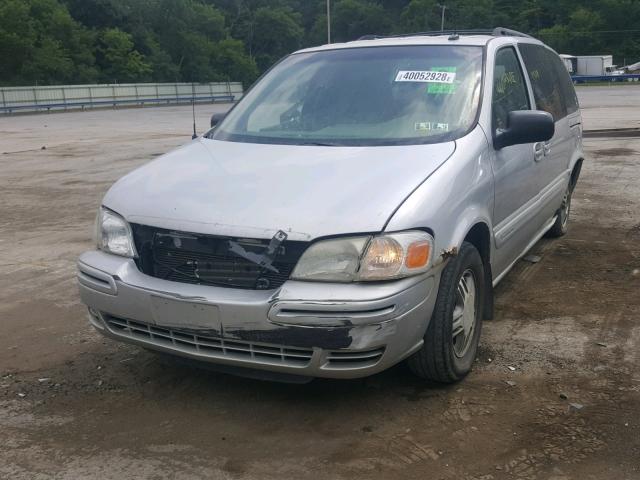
(451, 342)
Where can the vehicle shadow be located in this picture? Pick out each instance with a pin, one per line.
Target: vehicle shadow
(208, 380)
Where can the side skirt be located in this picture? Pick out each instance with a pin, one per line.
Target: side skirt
(537, 237)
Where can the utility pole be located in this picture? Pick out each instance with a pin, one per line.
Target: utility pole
(443, 7)
(328, 21)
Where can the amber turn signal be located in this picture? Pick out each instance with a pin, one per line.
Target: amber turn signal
(417, 254)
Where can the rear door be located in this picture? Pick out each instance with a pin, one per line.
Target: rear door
(570, 99)
(551, 93)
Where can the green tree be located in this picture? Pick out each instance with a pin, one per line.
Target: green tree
(17, 39)
(232, 63)
(119, 61)
(187, 31)
(83, 41)
(352, 19)
(274, 33)
(420, 16)
(579, 36)
(474, 14)
(41, 43)
(101, 13)
(164, 68)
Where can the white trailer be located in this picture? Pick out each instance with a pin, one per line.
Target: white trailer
(570, 62)
(595, 65)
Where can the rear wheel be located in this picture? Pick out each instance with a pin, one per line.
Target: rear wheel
(451, 341)
(561, 225)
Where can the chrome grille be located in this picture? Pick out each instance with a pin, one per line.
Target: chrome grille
(208, 346)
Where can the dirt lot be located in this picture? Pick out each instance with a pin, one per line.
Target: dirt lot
(555, 393)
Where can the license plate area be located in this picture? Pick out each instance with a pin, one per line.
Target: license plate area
(168, 312)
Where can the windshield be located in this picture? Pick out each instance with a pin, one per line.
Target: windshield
(361, 96)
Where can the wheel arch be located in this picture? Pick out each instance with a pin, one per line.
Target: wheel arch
(479, 235)
(575, 173)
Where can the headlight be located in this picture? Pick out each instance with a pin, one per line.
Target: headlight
(114, 234)
(382, 257)
(331, 260)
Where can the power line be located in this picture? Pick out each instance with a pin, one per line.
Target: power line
(586, 32)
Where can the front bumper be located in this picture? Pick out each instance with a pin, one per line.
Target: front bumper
(303, 328)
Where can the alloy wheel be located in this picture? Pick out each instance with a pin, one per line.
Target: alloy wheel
(464, 314)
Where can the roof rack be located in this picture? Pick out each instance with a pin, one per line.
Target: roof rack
(496, 32)
(507, 32)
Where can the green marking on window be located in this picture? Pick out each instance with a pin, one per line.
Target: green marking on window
(442, 88)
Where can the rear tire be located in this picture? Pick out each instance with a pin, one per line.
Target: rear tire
(561, 225)
(451, 341)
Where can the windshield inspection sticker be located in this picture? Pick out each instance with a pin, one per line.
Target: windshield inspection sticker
(425, 76)
(431, 126)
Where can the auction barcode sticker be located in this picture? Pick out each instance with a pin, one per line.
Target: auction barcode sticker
(425, 76)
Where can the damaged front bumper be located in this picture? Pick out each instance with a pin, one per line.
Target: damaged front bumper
(303, 328)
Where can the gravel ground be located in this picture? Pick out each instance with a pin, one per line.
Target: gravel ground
(555, 393)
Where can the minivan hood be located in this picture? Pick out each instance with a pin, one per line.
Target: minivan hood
(251, 190)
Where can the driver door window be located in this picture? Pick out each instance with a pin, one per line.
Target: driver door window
(509, 88)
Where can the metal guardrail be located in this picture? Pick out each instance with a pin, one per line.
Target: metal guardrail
(66, 97)
(605, 78)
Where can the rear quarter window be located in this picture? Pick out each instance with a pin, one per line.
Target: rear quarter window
(552, 88)
(566, 84)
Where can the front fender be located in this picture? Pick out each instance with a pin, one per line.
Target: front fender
(454, 198)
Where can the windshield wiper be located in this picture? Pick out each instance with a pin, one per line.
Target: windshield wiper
(320, 144)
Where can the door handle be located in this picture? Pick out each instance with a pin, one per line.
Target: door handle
(539, 151)
(547, 148)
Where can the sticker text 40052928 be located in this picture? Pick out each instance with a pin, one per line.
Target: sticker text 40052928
(425, 76)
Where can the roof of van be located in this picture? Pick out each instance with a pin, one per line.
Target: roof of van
(429, 38)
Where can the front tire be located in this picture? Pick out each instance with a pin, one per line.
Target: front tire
(451, 341)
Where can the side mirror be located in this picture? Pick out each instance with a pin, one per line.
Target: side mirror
(525, 126)
(216, 118)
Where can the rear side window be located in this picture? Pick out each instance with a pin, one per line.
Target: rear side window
(564, 79)
(552, 88)
(509, 90)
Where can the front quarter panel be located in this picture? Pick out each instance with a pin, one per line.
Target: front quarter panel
(454, 198)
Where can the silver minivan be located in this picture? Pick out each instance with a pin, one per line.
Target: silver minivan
(353, 210)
